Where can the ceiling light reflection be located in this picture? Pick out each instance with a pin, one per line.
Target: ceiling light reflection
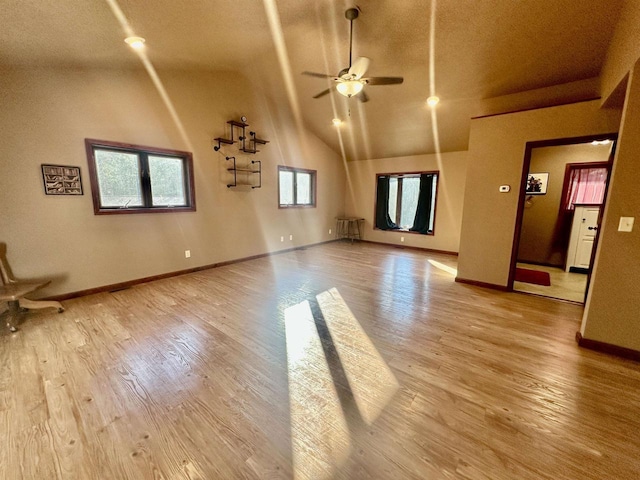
(137, 43)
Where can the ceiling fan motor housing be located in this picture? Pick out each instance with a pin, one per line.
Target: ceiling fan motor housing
(351, 13)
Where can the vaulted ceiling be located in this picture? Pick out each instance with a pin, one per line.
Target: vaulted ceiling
(465, 51)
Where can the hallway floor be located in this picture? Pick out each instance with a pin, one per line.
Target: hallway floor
(564, 285)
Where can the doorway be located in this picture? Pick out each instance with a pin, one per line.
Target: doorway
(564, 185)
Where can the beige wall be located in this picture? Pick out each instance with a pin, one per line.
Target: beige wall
(624, 48)
(540, 216)
(361, 193)
(496, 156)
(47, 113)
(612, 313)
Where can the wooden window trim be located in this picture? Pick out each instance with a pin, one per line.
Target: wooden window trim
(314, 181)
(407, 174)
(91, 144)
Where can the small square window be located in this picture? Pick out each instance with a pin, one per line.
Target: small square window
(296, 187)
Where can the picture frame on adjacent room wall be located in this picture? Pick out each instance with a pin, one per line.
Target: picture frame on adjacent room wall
(537, 183)
(61, 180)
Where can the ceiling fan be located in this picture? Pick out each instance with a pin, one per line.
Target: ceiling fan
(350, 81)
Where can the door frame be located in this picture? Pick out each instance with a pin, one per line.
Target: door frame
(529, 146)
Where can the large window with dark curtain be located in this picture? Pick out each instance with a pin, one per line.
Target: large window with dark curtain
(406, 201)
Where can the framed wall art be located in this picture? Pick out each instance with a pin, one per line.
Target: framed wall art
(537, 183)
(61, 180)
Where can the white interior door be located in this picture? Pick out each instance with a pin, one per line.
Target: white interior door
(583, 235)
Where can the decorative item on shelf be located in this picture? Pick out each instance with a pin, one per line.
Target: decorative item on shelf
(247, 172)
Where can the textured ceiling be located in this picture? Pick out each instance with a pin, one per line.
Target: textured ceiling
(473, 50)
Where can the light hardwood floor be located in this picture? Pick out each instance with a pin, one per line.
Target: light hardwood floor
(564, 285)
(348, 361)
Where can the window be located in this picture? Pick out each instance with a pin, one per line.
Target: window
(296, 187)
(134, 179)
(406, 201)
(584, 184)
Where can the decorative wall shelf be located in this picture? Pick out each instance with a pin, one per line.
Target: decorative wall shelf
(249, 146)
(243, 172)
(246, 173)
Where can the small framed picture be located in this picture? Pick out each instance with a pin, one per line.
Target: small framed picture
(61, 180)
(537, 183)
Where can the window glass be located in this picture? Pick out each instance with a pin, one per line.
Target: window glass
(286, 187)
(129, 178)
(297, 187)
(118, 178)
(303, 188)
(410, 191)
(167, 181)
(407, 191)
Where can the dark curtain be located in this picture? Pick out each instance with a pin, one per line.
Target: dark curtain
(423, 210)
(383, 220)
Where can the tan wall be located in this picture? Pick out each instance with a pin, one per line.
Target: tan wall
(540, 218)
(624, 48)
(612, 313)
(496, 156)
(361, 196)
(47, 114)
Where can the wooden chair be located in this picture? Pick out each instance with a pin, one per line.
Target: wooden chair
(13, 292)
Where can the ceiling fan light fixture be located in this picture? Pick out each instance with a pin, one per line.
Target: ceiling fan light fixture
(349, 88)
(432, 101)
(137, 43)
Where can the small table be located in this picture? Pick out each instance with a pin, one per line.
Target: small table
(349, 228)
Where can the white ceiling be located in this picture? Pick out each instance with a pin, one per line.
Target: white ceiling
(481, 49)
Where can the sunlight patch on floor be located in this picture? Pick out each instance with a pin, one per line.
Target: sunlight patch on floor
(319, 434)
(371, 381)
(444, 267)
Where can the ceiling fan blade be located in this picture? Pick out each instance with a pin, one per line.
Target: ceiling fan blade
(383, 80)
(319, 75)
(363, 97)
(359, 67)
(322, 93)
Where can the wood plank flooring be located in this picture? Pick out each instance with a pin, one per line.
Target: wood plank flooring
(346, 361)
(564, 285)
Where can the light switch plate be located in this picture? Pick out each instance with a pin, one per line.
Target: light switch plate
(626, 224)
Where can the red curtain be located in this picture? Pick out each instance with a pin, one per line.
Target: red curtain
(586, 185)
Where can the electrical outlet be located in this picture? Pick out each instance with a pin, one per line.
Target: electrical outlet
(290, 237)
(402, 239)
(187, 254)
(282, 239)
(329, 231)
